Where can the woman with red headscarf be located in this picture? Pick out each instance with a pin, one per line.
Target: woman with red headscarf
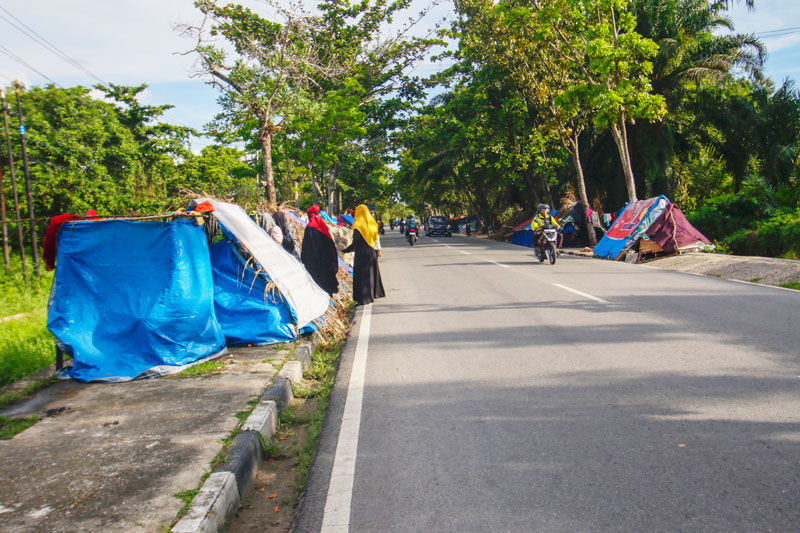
(319, 253)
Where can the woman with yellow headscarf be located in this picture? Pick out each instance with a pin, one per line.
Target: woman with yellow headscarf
(367, 285)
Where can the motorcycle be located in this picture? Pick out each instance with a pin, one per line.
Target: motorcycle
(547, 248)
(412, 236)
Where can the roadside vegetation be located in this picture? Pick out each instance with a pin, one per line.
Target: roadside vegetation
(26, 345)
(281, 479)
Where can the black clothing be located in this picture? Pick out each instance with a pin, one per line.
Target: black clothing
(367, 285)
(320, 259)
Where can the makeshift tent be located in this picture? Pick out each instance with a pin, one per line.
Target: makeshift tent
(327, 218)
(671, 232)
(247, 311)
(345, 220)
(133, 299)
(305, 298)
(523, 234)
(629, 226)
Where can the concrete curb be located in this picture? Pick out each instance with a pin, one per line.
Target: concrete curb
(222, 493)
(217, 501)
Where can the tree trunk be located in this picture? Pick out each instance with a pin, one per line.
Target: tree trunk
(546, 190)
(332, 178)
(576, 160)
(314, 188)
(534, 196)
(620, 134)
(269, 176)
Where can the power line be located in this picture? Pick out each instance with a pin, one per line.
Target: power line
(792, 30)
(47, 45)
(24, 63)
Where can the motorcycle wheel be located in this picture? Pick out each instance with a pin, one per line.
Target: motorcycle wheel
(551, 253)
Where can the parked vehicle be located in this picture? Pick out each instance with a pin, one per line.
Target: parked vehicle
(438, 226)
(547, 240)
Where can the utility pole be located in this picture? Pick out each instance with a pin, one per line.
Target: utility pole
(6, 257)
(31, 214)
(14, 189)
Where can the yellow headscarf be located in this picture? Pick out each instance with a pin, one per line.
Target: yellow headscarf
(366, 225)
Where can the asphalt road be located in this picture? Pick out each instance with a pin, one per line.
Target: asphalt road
(498, 399)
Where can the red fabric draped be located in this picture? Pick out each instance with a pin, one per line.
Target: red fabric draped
(50, 245)
(315, 221)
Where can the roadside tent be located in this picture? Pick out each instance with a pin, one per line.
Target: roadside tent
(133, 299)
(327, 218)
(306, 299)
(345, 220)
(671, 232)
(523, 234)
(137, 299)
(630, 226)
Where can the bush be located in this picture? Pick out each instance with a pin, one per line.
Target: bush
(777, 236)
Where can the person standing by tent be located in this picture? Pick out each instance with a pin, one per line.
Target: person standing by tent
(367, 285)
(318, 253)
(288, 234)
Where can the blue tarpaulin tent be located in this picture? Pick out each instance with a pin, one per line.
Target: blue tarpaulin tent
(247, 312)
(631, 224)
(133, 299)
(523, 234)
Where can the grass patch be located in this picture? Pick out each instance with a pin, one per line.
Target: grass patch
(25, 344)
(25, 347)
(12, 426)
(271, 448)
(791, 285)
(209, 368)
(321, 374)
(755, 280)
(187, 497)
(12, 397)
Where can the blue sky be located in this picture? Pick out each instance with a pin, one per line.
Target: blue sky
(134, 41)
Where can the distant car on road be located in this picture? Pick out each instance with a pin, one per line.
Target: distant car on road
(437, 226)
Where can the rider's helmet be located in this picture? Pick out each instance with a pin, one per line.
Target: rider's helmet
(542, 207)
(411, 216)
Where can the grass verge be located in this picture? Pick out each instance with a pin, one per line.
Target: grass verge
(791, 285)
(14, 396)
(209, 368)
(12, 426)
(25, 344)
(319, 381)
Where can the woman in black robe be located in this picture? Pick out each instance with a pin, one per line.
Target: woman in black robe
(367, 285)
(319, 254)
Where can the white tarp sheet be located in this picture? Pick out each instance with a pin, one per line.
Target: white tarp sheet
(306, 298)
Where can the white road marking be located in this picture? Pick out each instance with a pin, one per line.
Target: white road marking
(336, 517)
(500, 264)
(463, 252)
(595, 298)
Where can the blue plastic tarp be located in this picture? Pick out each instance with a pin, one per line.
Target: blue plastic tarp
(327, 218)
(522, 238)
(247, 312)
(133, 299)
(631, 223)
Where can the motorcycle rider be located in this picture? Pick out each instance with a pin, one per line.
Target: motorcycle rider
(542, 218)
(410, 224)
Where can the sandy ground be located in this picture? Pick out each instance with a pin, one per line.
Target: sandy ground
(756, 269)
